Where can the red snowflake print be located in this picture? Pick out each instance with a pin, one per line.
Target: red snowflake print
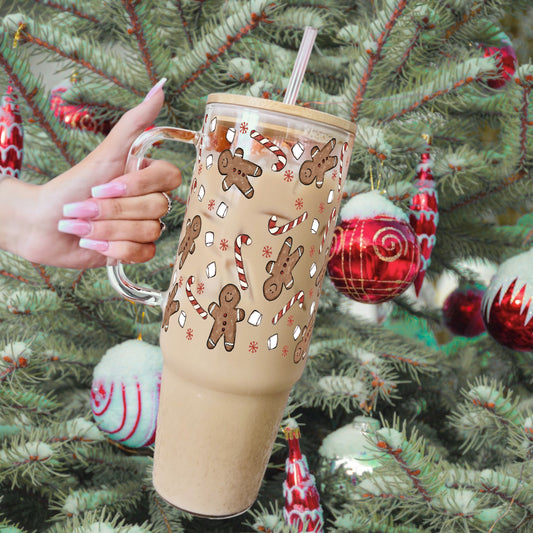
(200, 289)
(244, 127)
(267, 251)
(189, 334)
(180, 281)
(288, 175)
(299, 203)
(224, 244)
(312, 250)
(310, 293)
(334, 174)
(253, 347)
(285, 351)
(321, 207)
(211, 205)
(290, 320)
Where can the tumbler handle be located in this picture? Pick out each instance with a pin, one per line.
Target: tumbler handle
(115, 269)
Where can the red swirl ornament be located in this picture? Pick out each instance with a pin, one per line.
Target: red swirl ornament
(374, 259)
(11, 135)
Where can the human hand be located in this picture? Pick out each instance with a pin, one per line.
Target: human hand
(115, 214)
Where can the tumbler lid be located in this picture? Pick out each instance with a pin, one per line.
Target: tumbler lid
(286, 109)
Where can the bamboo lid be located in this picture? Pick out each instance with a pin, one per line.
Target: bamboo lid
(280, 107)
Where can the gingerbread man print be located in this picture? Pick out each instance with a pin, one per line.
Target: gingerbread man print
(302, 348)
(172, 306)
(321, 162)
(187, 245)
(280, 270)
(226, 315)
(236, 170)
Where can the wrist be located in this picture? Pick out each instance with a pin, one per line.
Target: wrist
(17, 201)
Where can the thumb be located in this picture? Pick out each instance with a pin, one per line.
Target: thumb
(117, 143)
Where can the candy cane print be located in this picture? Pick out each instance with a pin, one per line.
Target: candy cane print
(325, 234)
(276, 150)
(296, 298)
(239, 241)
(197, 307)
(278, 230)
(341, 161)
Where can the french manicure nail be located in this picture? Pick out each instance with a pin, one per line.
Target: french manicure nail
(155, 88)
(114, 189)
(97, 246)
(75, 227)
(85, 209)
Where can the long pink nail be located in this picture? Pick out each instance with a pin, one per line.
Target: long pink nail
(113, 189)
(85, 209)
(97, 246)
(157, 87)
(75, 227)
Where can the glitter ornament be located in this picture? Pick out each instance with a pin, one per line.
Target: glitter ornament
(302, 501)
(125, 392)
(11, 135)
(347, 448)
(462, 311)
(506, 307)
(424, 212)
(375, 254)
(76, 116)
(507, 61)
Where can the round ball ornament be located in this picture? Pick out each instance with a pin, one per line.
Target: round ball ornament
(507, 307)
(462, 311)
(507, 61)
(125, 392)
(375, 254)
(347, 449)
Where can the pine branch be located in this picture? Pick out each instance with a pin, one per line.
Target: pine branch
(184, 22)
(375, 55)
(73, 7)
(138, 31)
(87, 55)
(255, 20)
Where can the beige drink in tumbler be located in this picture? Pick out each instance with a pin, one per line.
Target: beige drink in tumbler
(244, 292)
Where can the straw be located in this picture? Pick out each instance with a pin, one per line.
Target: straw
(300, 65)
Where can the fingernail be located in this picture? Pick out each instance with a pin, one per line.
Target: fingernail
(114, 189)
(86, 209)
(75, 227)
(157, 87)
(97, 246)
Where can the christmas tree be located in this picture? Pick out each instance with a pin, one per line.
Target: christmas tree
(443, 435)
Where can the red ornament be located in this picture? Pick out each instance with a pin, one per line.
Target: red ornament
(424, 213)
(375, 254)
(302, 501)
(507, 61)
(507, 305)
(11, 135)
(76, 116)
(462, 311)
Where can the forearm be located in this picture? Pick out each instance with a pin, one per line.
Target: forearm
(17, 202)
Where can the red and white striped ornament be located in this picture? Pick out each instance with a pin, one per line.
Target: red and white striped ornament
(125, 392)
(424, 213)
(302, 501)
(11, 135)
